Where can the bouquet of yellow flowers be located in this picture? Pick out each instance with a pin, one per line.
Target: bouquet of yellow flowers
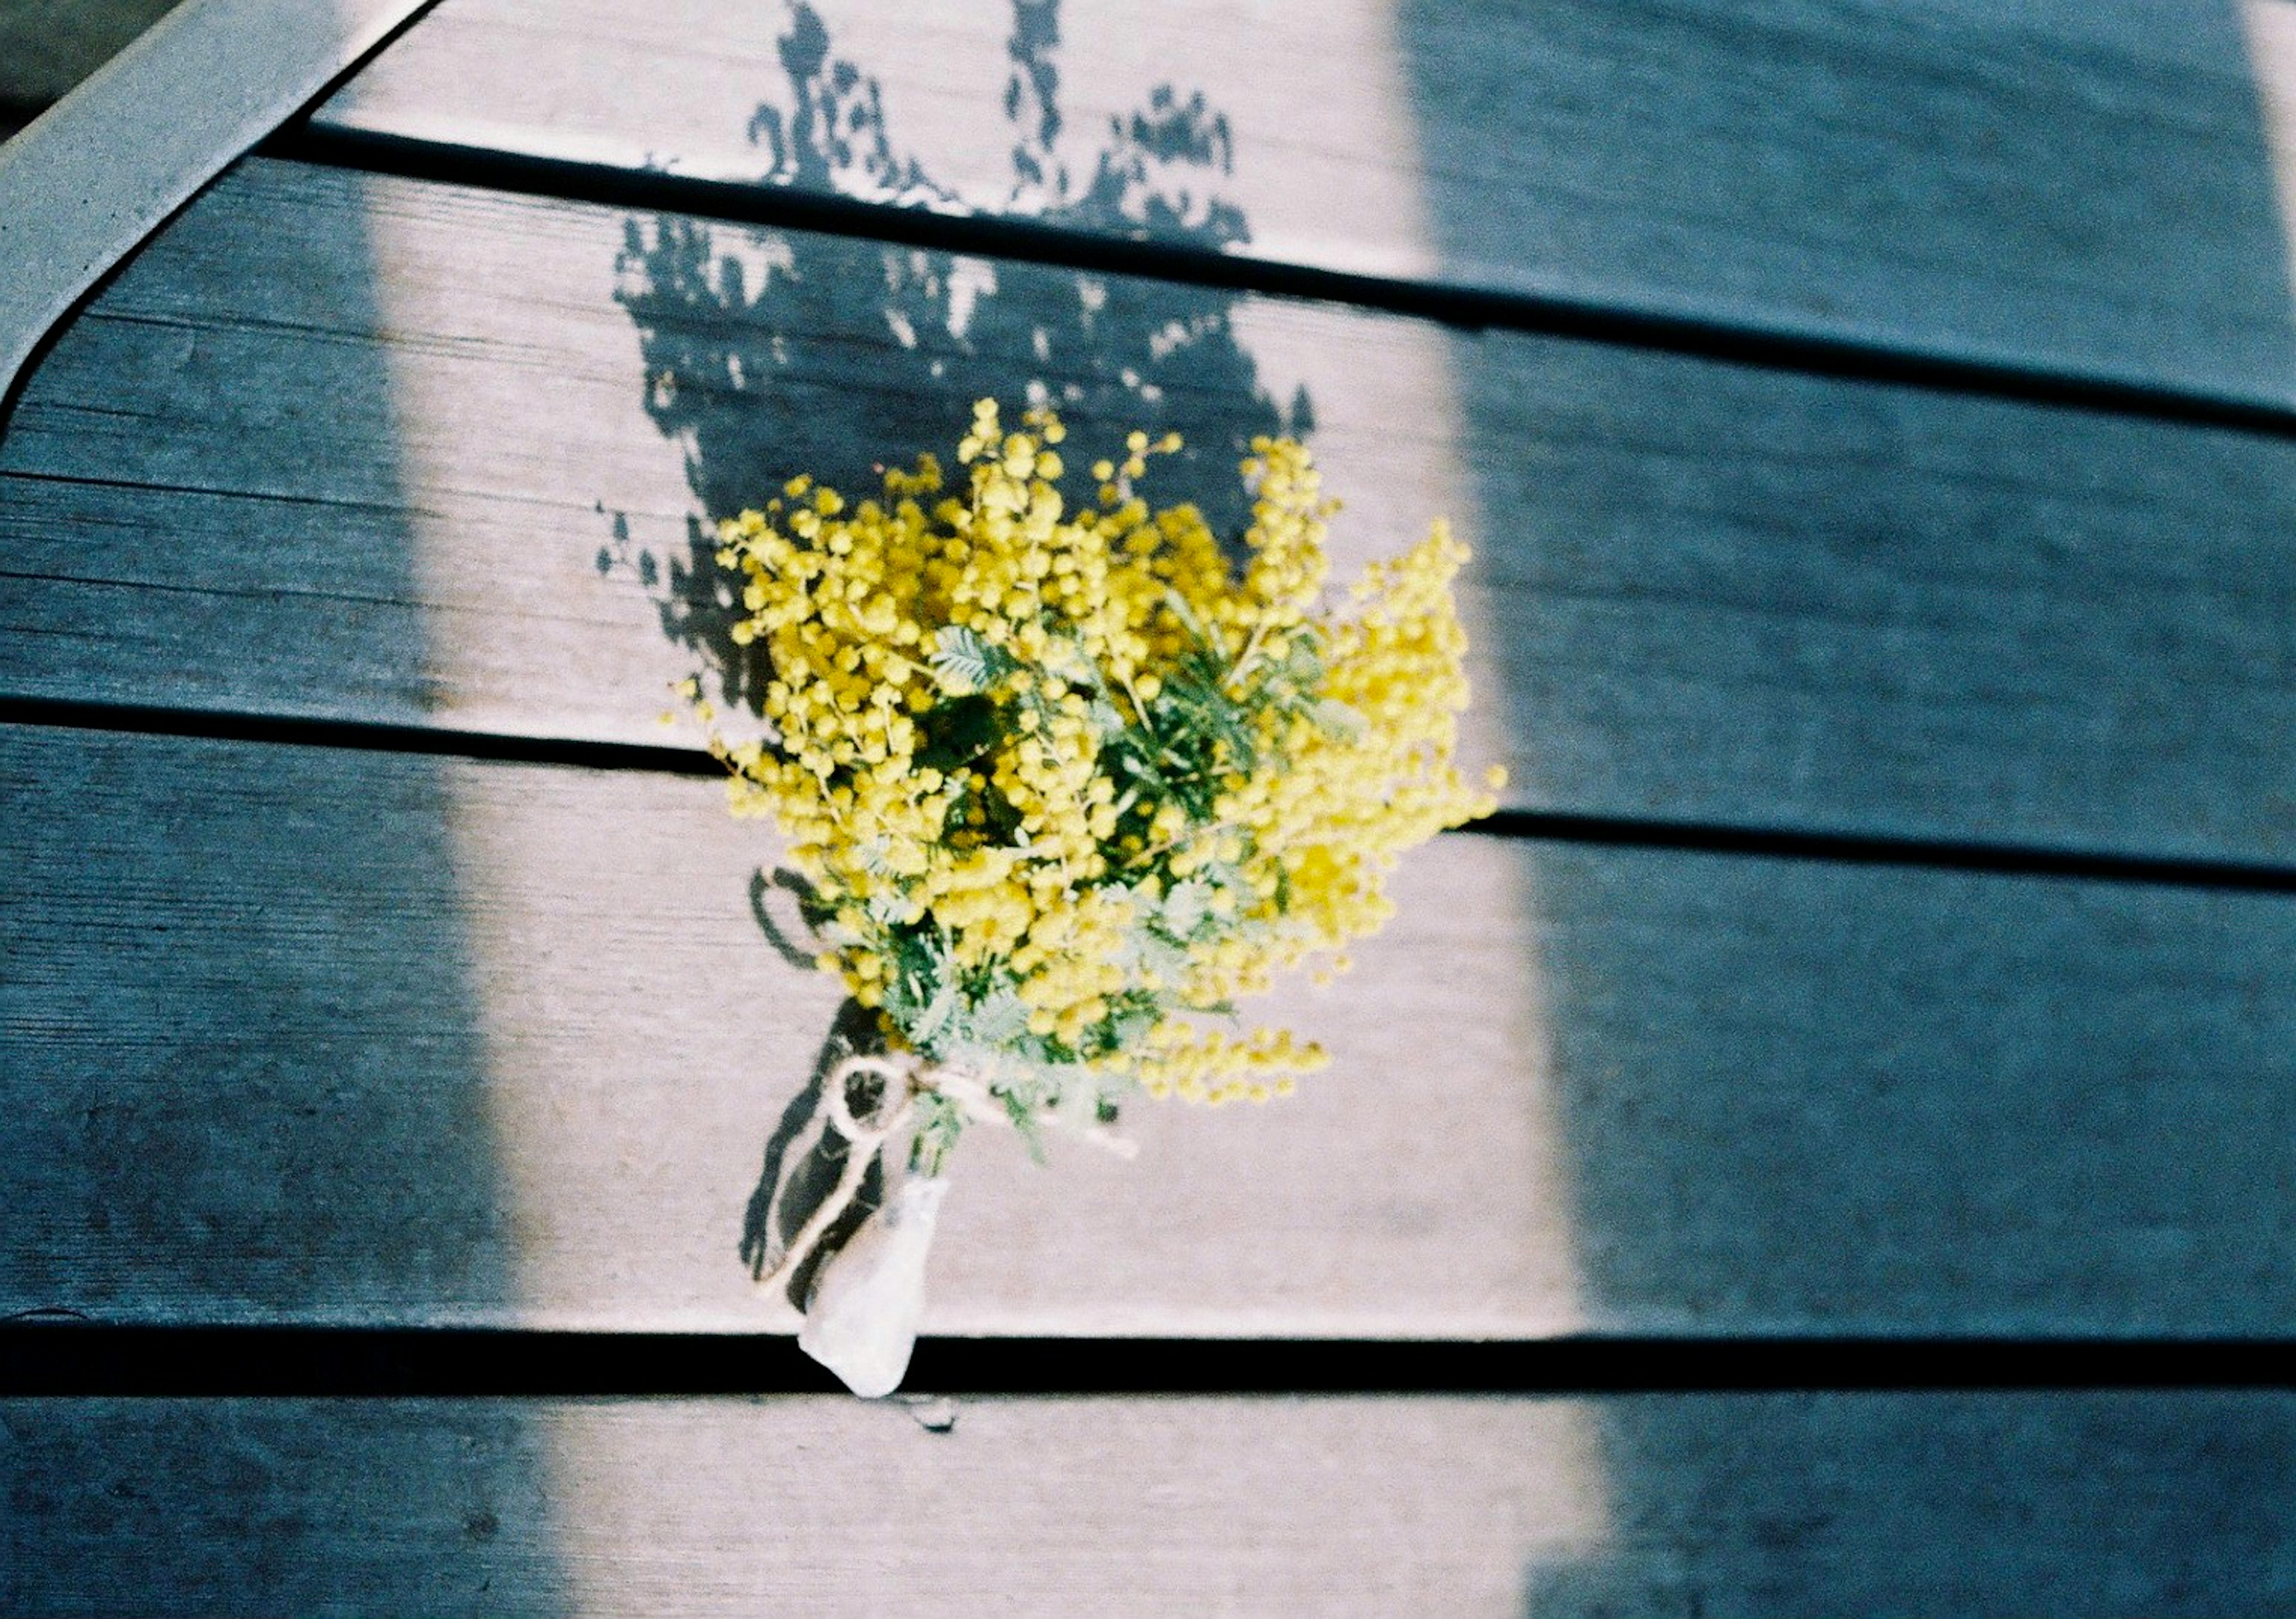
(1069, 781)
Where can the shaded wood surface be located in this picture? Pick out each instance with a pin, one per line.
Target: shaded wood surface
(46, 46)
(2085, 189)
(295, 1034)
(305, 1035)
(1777, 1505)
(373, 449)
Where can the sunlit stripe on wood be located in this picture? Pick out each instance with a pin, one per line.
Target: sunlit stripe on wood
(2151, 1503)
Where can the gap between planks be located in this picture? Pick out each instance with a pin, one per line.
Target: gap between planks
(2008, 860)
(1468, 308)
(56, 1355)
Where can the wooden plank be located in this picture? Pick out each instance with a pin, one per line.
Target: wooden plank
(2157, 1504)
(366, 448)
(298, 1035)
(2084, 190)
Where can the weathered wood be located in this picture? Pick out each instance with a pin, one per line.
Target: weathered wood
(2079, 189)
(290, 1034)
(367, 448)
(2112, 1503)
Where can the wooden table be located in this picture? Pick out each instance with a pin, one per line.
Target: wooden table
(1877, 427)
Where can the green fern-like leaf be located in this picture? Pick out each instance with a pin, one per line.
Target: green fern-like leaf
(962, 663)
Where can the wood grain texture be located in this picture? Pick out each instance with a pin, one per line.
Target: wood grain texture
(2157, 1504)
(293, 1035)
(367, 448)
(2088, 190)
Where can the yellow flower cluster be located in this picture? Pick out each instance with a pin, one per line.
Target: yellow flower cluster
(1063, 777)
